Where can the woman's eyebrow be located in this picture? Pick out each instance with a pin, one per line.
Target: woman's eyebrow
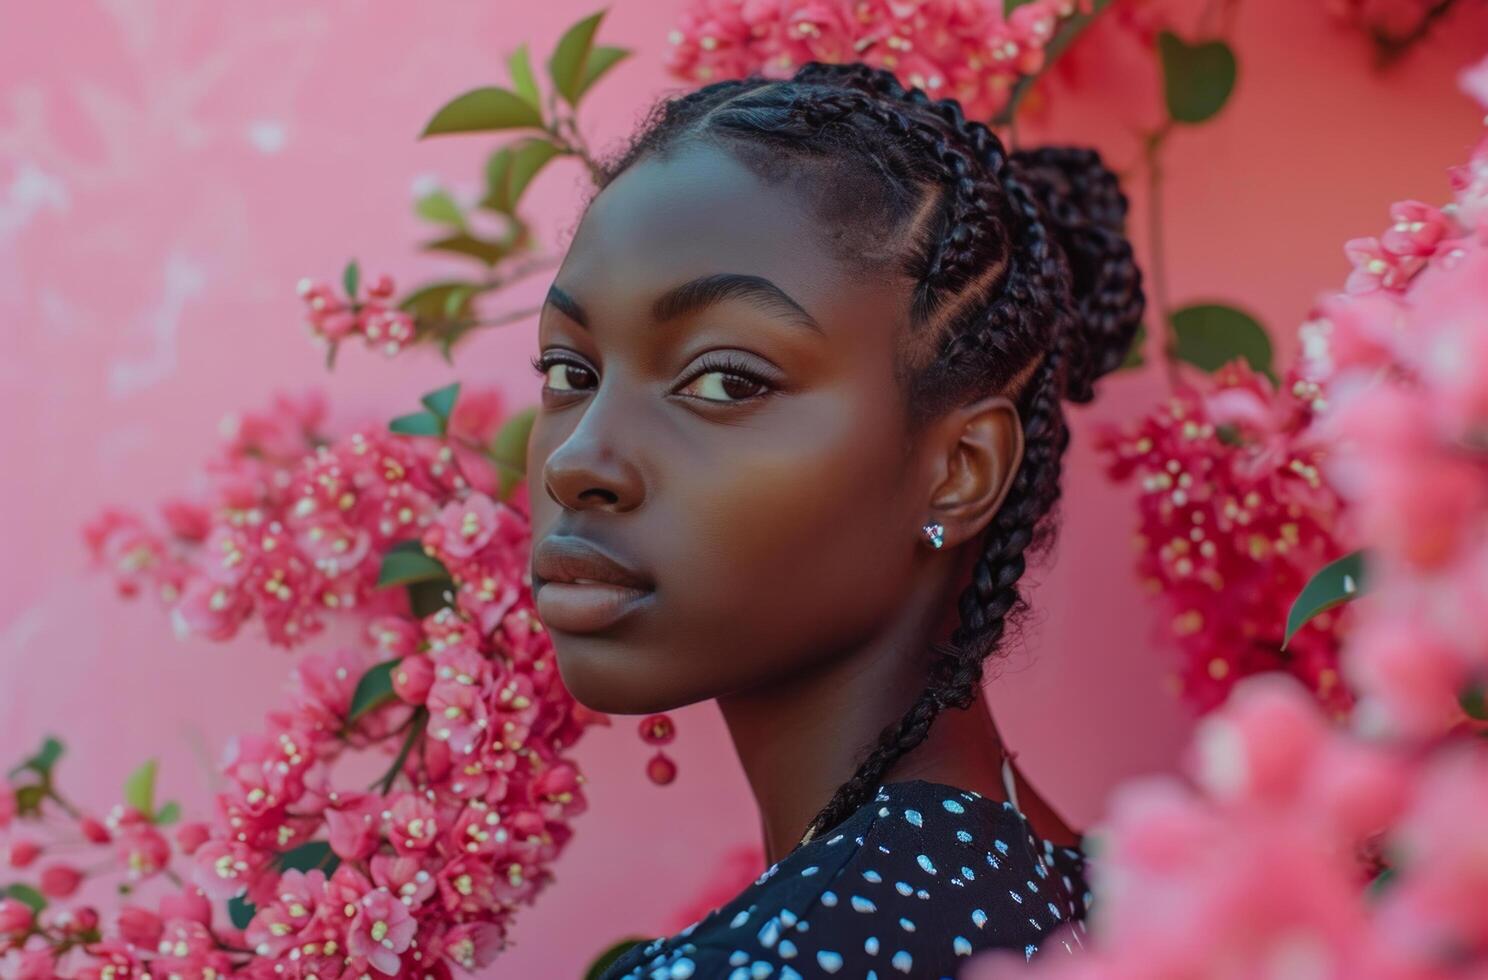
(705, 291)
(701, 293)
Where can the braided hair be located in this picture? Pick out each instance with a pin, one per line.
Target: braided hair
(1024, 283)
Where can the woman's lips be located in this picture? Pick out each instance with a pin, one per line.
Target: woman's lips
(587, 607)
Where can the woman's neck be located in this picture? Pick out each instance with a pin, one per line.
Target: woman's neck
(802, 737)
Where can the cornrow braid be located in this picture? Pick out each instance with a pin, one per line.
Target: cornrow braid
(1024, 283)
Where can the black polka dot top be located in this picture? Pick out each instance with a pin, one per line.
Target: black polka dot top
(912, 884)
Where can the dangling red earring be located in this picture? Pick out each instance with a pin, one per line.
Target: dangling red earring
(659, 730)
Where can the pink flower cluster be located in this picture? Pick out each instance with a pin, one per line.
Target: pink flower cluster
(1262, 865)
(430, 865)
(1303, 848)
(332, 317)
(1405, 356)
(292, 529)
(419, 872)
(1235, 518)
(962, 49)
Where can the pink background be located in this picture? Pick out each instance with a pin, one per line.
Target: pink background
(169, 171)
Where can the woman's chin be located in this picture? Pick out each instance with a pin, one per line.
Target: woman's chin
(607, 677)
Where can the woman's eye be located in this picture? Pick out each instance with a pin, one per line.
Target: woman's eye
(561, 375)
(727, 382)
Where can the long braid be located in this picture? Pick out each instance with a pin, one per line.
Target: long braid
(1024, 283)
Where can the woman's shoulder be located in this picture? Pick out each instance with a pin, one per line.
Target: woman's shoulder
(918, 878)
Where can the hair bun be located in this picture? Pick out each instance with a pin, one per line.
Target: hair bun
(1083, 201)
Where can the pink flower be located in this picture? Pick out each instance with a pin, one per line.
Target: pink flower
(1377, 268)
(188, 949)
(1441, 900)
(190, 836)
(209, 610)
(35, 964)
(413, 677)
(138, 926)
(468, 525)
(354, 825)
(186, 519)
(405, 877)
(22, 853)
(323, 684)
(1416, 229)
(1262, 746)
(189, 903)
(474, 945)
(382, 930)
(94, 830)
(1410, 677)
(1474, 81)
(15, 915)
(223, 870)
(60, 880)
(144, 851)
(413, 826)
(291, 918)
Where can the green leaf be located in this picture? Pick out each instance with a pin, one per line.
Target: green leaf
(29, 799)
(1474, 701)
(1336, 583)
(309, 856)
(483, 110)
(511, 168)
(1134, 358)
(1381, 881)
(509, 449)
(240, 911)
(1008, 6)
(373, 691)
(457, 301)
(168, 814)
(26, 895)
(139, 788)
(433, 301)
(44, 759)
(442, 400)
(610, 955)
(567, 64)
(1197, 78)
(306, 857)
(520, 64)
(437, 206)
(601, 59)
(351, 278)
(487, 250)
(417, 424)
(427, 598)
(1210, 335)
(406, 562)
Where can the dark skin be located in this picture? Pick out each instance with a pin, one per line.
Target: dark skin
(776, 499)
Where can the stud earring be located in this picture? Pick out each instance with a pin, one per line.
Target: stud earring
(934, 532)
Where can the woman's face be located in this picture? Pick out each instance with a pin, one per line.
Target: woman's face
(740, 448)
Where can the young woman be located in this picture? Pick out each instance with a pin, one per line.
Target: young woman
(800, 431)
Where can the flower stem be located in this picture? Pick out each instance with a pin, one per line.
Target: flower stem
(1157, 247)
(415, 729)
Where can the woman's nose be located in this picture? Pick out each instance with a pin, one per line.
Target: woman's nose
(594, 467)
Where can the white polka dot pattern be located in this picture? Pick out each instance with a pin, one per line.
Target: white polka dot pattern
(912, 884)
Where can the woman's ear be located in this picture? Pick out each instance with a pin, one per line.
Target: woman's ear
(976, 450)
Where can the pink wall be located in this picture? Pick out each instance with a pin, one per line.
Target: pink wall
(167, 174)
